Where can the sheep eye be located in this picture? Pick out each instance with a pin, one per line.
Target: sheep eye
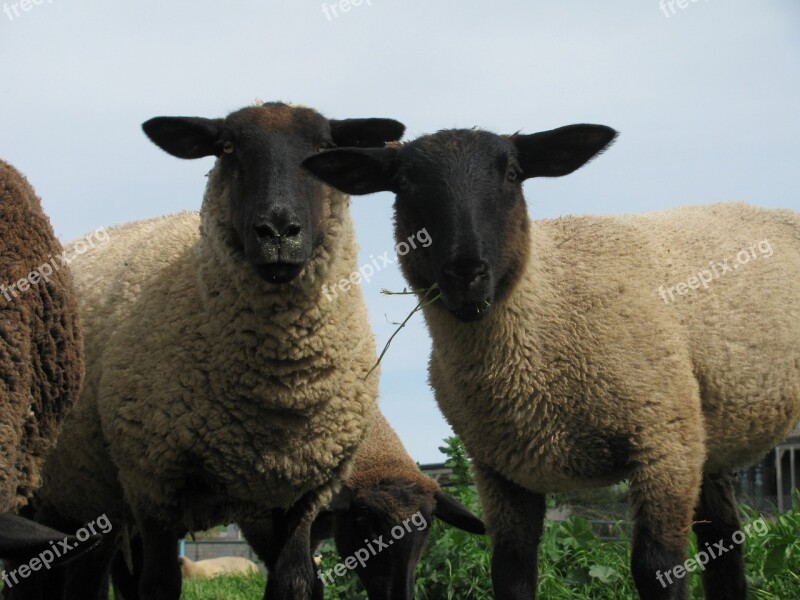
(512, 175)
(227, 147)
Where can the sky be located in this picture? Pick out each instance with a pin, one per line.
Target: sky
(705, 94)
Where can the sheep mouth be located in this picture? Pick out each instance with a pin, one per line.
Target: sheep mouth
(279, 272)
(468, 312)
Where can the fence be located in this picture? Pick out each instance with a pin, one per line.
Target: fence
(204, 549)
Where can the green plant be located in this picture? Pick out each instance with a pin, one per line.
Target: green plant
(574, 563)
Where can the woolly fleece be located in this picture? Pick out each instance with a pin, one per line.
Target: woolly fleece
(583, 375)
(220, 396)
(41, 357)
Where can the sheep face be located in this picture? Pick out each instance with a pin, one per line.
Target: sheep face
(365, 530)
(276, 209)
(465, 188)
(385, 527)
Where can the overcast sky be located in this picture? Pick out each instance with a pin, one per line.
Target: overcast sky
(706, 98)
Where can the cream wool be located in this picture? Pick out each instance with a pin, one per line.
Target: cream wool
(209, 374)
(585, 373)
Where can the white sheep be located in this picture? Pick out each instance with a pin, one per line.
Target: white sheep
(219, 380)
(216, 567)
(576, 352)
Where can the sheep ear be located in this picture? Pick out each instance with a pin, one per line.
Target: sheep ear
(21, 539)
(366, 133)
(356, 171)
(561, 151)
(186, 137)
(452, 512)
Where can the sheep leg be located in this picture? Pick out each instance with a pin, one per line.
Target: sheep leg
(514, 520)
(87, 577)
(161, 574)
(716, 519)
(126, 582)
(294, 577)
(663, 496)
(266, 537)
(49, 585)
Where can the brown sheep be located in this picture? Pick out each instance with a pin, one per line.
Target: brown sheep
(41, 356)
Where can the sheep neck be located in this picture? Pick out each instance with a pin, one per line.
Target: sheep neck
(283, 314)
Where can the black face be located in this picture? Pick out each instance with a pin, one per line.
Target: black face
(275, 206)
(388, 527)
(465, 188)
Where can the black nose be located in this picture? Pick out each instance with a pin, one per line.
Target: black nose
(468, 273)
(272, 229)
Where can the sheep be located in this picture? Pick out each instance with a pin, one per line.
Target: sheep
(216, 567)
(41, 358)
(566, 357)
(223, 383)
(386, 490)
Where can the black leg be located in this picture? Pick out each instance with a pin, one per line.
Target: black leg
(87, 576)
(664, 492)
(161, 574)
(514, 519)
(653, 564)
(126, 583)
(717, 519)
(50, 585)
(294, 576)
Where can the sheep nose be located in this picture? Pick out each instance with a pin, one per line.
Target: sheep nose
(471, 273)
(272, 229)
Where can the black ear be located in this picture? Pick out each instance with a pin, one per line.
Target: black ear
(451, 511)
(186, 137)
(366, 133)
(561, 151)
(21, 540)
(355, 171)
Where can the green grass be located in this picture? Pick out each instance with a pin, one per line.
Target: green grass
(224, 588)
